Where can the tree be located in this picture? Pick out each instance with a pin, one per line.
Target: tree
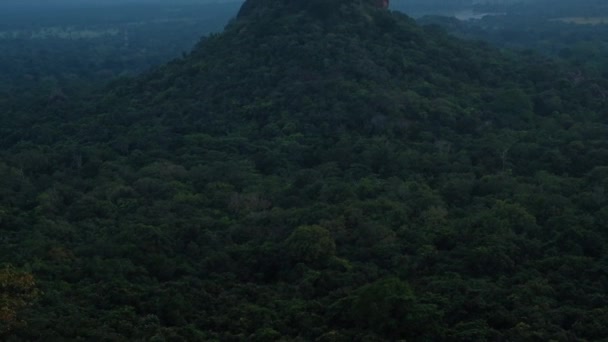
(390, 308)
(312, 245)
(18, 290)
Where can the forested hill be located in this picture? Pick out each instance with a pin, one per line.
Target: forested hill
(320, 171)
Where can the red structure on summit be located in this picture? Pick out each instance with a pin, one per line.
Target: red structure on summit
(383, 3)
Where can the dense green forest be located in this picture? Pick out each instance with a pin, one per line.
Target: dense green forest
(61, 49)
(322, 170)
(581, 42)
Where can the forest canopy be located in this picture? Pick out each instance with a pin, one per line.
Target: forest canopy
(312, 176)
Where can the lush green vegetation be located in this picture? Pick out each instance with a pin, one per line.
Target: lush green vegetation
(61, 49)
(322, 170)
(579, 42)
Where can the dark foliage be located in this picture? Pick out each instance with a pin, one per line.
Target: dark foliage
(349, 176)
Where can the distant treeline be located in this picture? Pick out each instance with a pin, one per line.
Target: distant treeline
(546, 8)
(48, 53)
(60, 14)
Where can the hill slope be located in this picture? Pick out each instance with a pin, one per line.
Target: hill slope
(322, 170)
